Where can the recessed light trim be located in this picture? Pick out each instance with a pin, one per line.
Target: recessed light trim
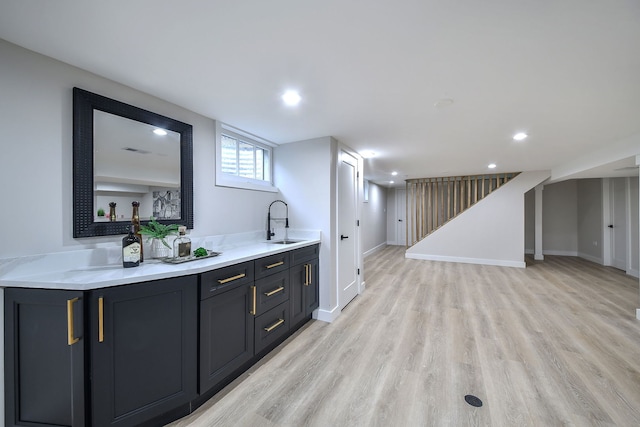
(492, 166)
(394, 173)
(391, 182)
(160, 132)
(291, 98)
(520, 136)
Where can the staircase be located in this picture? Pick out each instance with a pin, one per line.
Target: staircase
(432, 202)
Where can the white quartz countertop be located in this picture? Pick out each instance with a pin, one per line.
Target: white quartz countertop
(38, 272)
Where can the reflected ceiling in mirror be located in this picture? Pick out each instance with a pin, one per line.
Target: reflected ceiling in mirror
(119, 157)
(135, 161)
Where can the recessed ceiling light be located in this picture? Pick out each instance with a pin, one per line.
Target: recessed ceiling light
(492, 166)
(391, 182)
(160, 132)
(368, 154)
(520, 136)
(291, 98)
(394, 173)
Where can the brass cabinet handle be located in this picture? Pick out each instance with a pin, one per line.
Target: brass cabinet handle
(306, 275)
(275, 325)
(274, 265)
(230, 279)
(275, 291)
(71, 339)
(101, 319)
(310, 281)
(253, 310)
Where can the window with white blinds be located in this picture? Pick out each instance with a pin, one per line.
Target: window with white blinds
(242, 161)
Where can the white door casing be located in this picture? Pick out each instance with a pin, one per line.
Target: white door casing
(347, 229)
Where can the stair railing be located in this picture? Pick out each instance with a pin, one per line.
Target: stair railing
(432, 202)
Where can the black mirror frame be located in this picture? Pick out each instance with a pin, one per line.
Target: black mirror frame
(84, 103)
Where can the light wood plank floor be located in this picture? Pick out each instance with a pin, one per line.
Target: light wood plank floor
(554, 344)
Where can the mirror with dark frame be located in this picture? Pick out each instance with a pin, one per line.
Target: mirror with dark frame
(123, 153)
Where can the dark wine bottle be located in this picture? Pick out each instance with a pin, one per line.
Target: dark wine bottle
(131, 249)
(135, 220)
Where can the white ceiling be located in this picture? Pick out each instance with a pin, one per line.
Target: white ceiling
(567, 72)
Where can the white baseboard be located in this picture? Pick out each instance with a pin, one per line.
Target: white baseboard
(633, 272)
(560, 253)
(363, 286)
(529, 251)
(327, 315)
(591, 258)
(498, 262)
(392, 243)
(372, 251)
(638, 313)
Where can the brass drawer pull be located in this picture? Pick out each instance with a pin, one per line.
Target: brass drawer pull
(274, 265)
(275, 291)
(275, 325)
(71, 339)
(100, 319)
(307, 280)
(253, 310)
(230, 279)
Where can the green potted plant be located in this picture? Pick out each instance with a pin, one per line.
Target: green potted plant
(157, 233)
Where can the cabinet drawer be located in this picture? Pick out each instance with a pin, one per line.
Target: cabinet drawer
(304, 254)
(271, 264)
(271, 291)
(271, 325)
(216, 281)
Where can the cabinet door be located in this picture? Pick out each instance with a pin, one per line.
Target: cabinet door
(44, 358)
(298, 304)
(304, 296)
(143, 350)
(226, 335)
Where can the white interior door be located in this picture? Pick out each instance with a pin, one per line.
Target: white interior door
(347, 232)
(401, 217)
(619, 222)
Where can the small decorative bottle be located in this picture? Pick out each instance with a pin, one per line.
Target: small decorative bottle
(182, 244)
(135, 221)
(131, 249)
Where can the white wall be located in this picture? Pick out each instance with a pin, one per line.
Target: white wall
(559, 218)
(305, 174)
(36, 160)
(373, 222)
(530, 221)
(490, 232)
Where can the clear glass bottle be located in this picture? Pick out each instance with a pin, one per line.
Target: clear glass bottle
(131, 248)
(182, 244)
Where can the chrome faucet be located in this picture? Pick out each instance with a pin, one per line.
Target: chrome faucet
(286, 219)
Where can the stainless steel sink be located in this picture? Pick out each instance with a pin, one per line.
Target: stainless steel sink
(285, 242)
